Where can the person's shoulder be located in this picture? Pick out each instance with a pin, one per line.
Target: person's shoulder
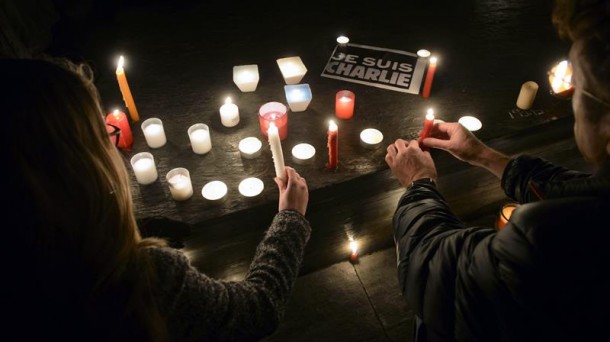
(167, 259)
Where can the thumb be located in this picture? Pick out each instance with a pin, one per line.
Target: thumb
(280, 183)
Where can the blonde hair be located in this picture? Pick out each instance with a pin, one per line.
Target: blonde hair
(77, 195)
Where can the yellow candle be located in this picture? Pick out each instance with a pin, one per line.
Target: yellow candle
(125, 91)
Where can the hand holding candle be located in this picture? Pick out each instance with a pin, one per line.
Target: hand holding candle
(428, 124)
(125, 91)
(333, 145)
(429, 77)
(276, 150)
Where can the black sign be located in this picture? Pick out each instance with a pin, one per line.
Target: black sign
(378, 67)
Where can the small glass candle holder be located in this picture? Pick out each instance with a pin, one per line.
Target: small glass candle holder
(298, 96)
(505, 214)
(371, 138)
(344, 104)
(292, 69)
(246, 77)
(250, 147)
(214, 190)
(180, 186)
(251, 187)
(274, 112)
(154, 132)
(143, 165)
(199, 135)
(560, 79)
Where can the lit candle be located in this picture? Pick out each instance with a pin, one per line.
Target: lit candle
(342, 40)
(371, 137)
(229, 113)
(560, 78)
(353, 246)
(423, 53)
(333, 145)
(251, 187)
(246, 77)
(298, 96)
(119, 119)
(303, 153)
(429, 77)
(144, 168)
(344, 104)
(292, 69)
(428, 124)
(180, 186)
(154, 132)
(250, 147)
(199, 135)
(505, 214)
(527, 94)
(125, 91)
(276, 150)
(471, 123)
(273, 112)
(214, 190)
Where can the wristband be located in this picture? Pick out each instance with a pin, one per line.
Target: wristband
(426, 180)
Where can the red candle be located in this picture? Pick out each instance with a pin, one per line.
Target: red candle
(273, 112)
(428, 124)
(333, 145)
(119, 119)
(429, 77)
(344, 104)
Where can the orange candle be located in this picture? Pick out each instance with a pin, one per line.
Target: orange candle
(333, 145)
(125, 91)
(428, 124)
(119, 119)
(429, 77)
(344, 104)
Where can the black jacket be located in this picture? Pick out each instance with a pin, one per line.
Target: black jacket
(544, 277)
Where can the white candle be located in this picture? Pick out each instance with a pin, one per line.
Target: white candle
(154, 132)
(342, 40)
(371, 137)
(251, 187)
(144, 168)
(246, 77)
(214, 190)
(298, 96)
(199, 134)
(303, 153)
(292, 69)
(276, 150)
(470, 122)
(180, 186)
(250, 147)
(423, 53)
(229, 113)
(527, 94)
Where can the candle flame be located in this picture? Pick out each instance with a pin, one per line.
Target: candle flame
(120, 63)
(430, 114)
(116, 112)
(433, 60)
(353, 245)
(332, 126)
(561, 77)
(228, 100)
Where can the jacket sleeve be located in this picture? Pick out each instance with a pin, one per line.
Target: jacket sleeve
(200, 308)
(529, 179)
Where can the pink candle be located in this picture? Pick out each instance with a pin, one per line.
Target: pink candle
(344, 104)
(428, 124)
(333, 145)
(119, 119)
(429, 77)
(273, 112)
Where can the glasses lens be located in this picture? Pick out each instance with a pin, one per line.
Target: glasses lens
(114, 132)
(560, 78)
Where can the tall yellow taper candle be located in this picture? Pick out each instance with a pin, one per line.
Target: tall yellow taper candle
(125, 91)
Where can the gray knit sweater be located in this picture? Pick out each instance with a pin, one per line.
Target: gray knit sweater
(199, 308)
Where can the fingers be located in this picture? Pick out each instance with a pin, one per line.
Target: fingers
(437, 143)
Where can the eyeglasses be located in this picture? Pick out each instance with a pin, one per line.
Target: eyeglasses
(560, 79)
(114, 132)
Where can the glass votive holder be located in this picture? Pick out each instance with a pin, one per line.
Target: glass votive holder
(273, 112)
(251, 187)
(371, 138)
(199, 135)
(344, 104)
(303, 153)
(214, 190)
(154, 132)
(298, 96)
(180, 186)
(250, 147)
(246, 77)
(292, 69)
(143, 165)
(505, 214)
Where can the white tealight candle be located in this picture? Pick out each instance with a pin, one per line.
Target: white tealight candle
(144, 168)
(371, 137)
(180, 186)
(423, 53)
(303, 153)
(246, 77)
(471, 123)
(292, 69)
(199, 134)
(298, 96)
(251, 187)
(342, 40)
(154, 132)
(229, 113)
(214, 190)
(250, 147)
